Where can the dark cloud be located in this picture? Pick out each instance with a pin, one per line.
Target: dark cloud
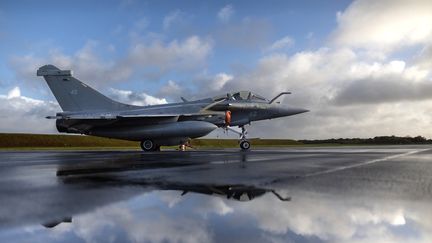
(388, 89)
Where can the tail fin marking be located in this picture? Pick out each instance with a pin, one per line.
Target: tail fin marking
(74, 95)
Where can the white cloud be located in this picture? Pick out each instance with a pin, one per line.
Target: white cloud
(349, 95)
(171, 89)
(226, 13)
(188, 54)
(86, 64)
(219, 81)
(172, 18)
(204, 85)
(134, 98)
(144, 223)
(97, 71)
(384, 25)
(14, 93)
(281, 44)
(23, 114)
(363, 219)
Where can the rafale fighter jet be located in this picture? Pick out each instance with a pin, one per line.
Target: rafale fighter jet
(86, 111)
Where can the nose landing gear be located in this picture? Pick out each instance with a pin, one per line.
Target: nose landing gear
(244, 143)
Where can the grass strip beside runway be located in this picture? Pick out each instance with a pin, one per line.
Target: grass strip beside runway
(53, 141)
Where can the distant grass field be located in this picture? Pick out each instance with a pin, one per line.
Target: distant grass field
(42, 141)
(20, 141)
(11, 140)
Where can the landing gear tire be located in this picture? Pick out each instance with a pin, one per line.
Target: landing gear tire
(148, 145)
(244, 145)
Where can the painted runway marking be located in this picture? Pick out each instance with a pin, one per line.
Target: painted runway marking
(364, 163)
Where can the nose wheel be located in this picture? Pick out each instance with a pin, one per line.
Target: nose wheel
(244, 143)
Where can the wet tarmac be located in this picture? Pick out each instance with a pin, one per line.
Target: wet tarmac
(339, 194)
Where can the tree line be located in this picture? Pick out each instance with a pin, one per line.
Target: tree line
(375, 140)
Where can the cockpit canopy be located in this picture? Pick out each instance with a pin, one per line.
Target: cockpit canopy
(240, 95)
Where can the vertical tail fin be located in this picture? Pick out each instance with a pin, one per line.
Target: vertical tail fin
(74, 95)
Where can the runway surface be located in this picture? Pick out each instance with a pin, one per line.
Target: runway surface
(334, 194)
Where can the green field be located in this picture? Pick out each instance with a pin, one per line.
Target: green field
(18, 140)
(37, 141)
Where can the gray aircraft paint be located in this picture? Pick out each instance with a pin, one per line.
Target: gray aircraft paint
(86, 111)
(74, 95)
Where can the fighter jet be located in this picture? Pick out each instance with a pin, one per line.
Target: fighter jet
(86, 111)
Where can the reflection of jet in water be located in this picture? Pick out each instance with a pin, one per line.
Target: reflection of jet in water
(86, 111)
(96, 181)
(232, 192)
(86, 181)
(54, 223)
(235, 192)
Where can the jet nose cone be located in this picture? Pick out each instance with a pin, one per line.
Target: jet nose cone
(289, 111)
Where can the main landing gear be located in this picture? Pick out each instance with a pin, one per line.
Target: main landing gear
(244, 143)
(148, 146)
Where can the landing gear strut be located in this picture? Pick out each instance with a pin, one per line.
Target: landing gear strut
(148, 145)
(244, 143)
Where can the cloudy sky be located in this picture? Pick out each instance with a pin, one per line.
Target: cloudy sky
(362, 67)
